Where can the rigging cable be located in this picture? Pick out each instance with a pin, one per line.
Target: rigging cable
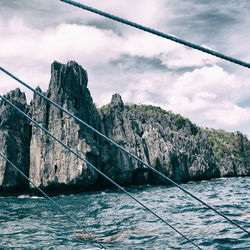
(51, 200)
(125, 151)
(158, 33)
(98, 171)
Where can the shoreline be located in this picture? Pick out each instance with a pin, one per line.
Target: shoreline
(73, 191)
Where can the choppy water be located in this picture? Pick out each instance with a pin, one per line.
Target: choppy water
(32, 222)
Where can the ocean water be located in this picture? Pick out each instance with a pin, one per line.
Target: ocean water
(119, 223)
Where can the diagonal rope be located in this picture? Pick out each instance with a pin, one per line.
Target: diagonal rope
(125, 151)
(158, 33)
(51, 200)
(98, 171)
(177, 40)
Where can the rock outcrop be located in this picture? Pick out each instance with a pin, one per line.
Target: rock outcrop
(168, 142)
(14, 143)
(51, 165)
(232, 151)
(150, 134)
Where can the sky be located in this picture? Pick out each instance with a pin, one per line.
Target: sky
(142, 68)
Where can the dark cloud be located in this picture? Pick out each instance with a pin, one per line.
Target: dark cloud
(206, 22)
(39, 13)
(14, 4)
(214, 20)
(35, 13)
(43, 14)
(105, 24)
(244, 103)
(138, 63)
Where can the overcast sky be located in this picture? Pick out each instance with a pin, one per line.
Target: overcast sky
(141, 67)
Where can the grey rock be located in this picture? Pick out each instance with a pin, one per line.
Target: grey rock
(51, 165)
(174, 152)
(168, 142)
(232, 152)
(14, 143)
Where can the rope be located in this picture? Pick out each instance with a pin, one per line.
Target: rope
(158, 33)
(98, 171)
(51, 200)
(124, 150)
(177, 40)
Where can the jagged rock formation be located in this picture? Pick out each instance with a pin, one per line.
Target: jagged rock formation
(232, 151)
(14, 142)
(168, 142)
(51, 165)
(153, 136)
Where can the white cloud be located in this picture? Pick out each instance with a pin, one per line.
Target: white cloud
(63, 42)
(208, 79)
(183, 57)
(208, 94)
(229, 115)
(146, 12)
(28, 51)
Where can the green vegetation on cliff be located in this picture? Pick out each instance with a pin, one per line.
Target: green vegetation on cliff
(234, 145)
(149, 110)
(224, 144)
(157, 113)
(104, 107)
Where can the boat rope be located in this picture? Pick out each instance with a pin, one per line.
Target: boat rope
(158, 33)
(51, 200)
(99, 171)
(125, 151)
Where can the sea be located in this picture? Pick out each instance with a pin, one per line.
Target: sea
(117, 222)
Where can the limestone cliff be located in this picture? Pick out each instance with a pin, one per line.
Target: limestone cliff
(14, 142)
(179, 151)
(170, 143)
(51, 165)
(232, 151)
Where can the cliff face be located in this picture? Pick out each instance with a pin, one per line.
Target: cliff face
(232, 151)
(51, 165)
(14, 142)
(168, 142)
(181, 153)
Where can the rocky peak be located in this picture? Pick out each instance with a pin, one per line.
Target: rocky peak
(50, 162)
(14, 141)
(68, 88)
(37, 89)
(17, 96)
(70, 77)
(8, 113)
(116, 102)
(36, 97)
